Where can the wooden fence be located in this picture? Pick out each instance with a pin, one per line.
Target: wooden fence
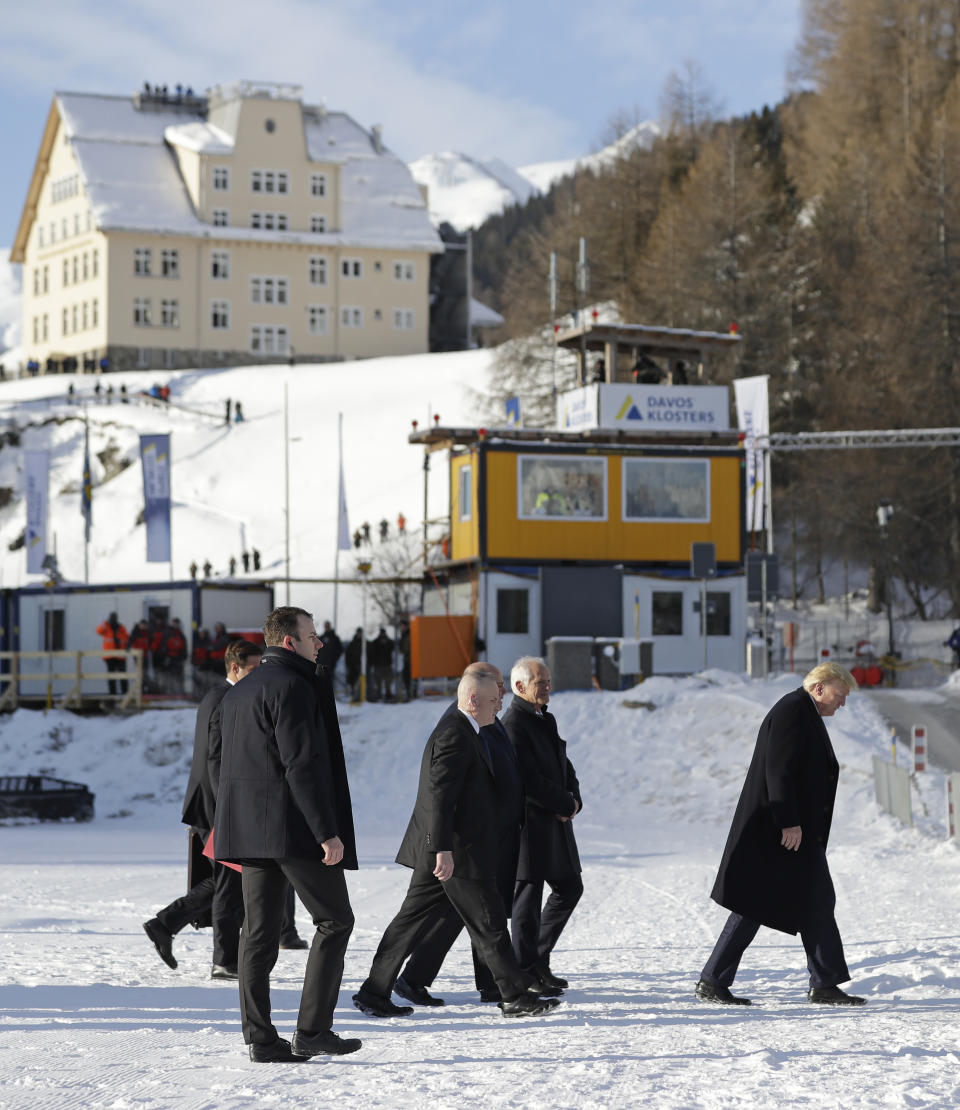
(80, 668)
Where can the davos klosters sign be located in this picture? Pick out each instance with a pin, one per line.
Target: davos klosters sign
(650, 408)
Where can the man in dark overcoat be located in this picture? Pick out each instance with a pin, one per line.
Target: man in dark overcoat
(452, 844)
(427, 958)
(283, 812)
(218, 896)
(774, 868)
(548, 848)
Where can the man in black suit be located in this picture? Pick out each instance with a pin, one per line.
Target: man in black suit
(218, 896)
(452, 844)
(774, 868)
(283, 812)
(427, 958)
(548, 848)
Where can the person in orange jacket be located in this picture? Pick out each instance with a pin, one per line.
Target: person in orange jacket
(175, 650)
(115, 638)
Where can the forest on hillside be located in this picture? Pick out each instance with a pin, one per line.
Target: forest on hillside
(828, 228)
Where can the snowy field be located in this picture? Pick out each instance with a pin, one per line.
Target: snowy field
(90, 1017)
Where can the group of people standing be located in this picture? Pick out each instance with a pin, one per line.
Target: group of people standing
(164, 647)
(491, 831)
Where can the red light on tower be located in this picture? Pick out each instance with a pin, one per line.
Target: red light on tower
(414, 423)
(595, 315)
(436, 419)
(482, 433)
(734, 327)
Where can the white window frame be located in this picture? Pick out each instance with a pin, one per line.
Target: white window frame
(142, 312)
(220, 315)
(170, 312)
(46, 323)
(269, 289)
(66, 272)
(75, 270)
(269, 339)
(219, 261)
(94, 313)
(404, 319)
(170, 262)
(351, 316)
(598, 467)
(698, 467)
(404, 270)
(318, 269)
(318, 184)
(220, 177)
(465, 492)
(318, 223)
(85, 315)
(318, 319)
(142, 262)
(351, 268)
(95, 263)
(220, 217)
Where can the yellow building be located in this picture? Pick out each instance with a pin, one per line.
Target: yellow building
(172, 230)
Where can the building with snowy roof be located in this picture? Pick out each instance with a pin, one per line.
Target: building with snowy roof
(173, 230)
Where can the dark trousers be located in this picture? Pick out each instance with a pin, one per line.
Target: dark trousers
(323, 890)
(480, 908)
(195, 905)
(819, 933)
(537, 926)
(114, 665)
(218, 897)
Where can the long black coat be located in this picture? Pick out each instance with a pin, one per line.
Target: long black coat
(456, 807)
(283, 780)
(199, 804)
(548, 847)
(792, 780)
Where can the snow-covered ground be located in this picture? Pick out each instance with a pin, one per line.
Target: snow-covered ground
(89, 1017)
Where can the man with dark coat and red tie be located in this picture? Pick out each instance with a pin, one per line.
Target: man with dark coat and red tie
(452, 844)
(774, 868)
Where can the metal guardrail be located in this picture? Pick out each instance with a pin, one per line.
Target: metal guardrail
(78, 674)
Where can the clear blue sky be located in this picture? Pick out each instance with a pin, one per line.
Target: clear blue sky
(525, 81)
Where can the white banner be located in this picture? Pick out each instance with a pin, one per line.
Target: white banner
(753, 419)
(646, 408)
(36, 465)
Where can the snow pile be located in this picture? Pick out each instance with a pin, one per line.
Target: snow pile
(91, 1017)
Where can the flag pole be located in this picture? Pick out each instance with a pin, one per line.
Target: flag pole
(340, 506)
(86, 495)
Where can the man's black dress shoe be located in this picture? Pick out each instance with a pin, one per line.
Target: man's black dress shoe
(376, 1006)
(323, 1044)
(277, 1052)
(289, 944)
(220, 972)
(491, 994)
(419, 996)
(527, 1005)
(162, 941)
(547, 978)
(709, 993)
(834, 996)
(544, 990)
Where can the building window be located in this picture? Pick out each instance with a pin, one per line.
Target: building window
(318, 224)
(465, 493)
(96, 263)
(666, 613)
(220, 265)
(54, 630)
(269, 290)
(76, 223)
(86, 265)
(170, 262)
(84, 316)
(36, 283)
(256, 181)
(142, 312)
(94, 320)
(36, 329)
(39, 236)
(666, 489)
(170, 313)
(318, 184)
(46, 279)
(403, 271)
(220, 315)
(267, 339)
(46, 323)
(66, 272)
(513, 612)
(351, 267)
(556, 486)
(142, 261)
(64, 227)
(282, 181)
(221, 217)
(403, 319)
(75, 316)
(718, 613)
(317, 268)
(269, 181)
(317, 319)
(65, 323)
(378, 314)
(75, 268)
(221, 179)
(351, 317)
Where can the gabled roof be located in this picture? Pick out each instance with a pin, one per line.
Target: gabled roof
(133, 180)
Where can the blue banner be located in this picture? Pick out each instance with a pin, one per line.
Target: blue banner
(155, 457)
(36, 465)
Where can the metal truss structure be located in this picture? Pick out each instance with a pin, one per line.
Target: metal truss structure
(830, 441)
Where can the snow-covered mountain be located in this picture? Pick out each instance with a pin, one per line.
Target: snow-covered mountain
(464, 191)
(9, 302)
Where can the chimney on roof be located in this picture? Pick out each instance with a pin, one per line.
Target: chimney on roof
(376, 137)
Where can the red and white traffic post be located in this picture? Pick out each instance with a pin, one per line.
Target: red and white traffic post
(918, 735)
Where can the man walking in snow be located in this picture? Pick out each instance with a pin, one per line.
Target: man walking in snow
(774, 868)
